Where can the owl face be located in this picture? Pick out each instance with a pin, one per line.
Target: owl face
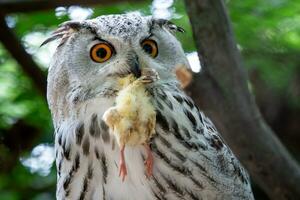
(94, 53)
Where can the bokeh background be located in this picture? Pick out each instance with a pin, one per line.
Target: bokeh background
(268, 36)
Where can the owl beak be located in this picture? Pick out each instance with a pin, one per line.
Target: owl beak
(135, 68)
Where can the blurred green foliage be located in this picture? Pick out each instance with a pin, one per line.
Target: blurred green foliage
(267, 32)
(269, 35)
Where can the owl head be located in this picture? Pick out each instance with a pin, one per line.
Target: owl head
(93, 54)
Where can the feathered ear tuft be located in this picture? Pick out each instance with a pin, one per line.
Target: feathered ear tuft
(64, 31)
(168, 24)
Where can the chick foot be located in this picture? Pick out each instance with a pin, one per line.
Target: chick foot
(149, 76)
(122, 164)
(149, 161)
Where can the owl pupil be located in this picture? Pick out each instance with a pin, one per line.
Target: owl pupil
(148, 48)
(101, 53)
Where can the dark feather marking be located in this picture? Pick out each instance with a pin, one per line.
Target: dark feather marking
(60, 139)
(181, 140)
(57, 130)
(200, 130)
(59, 166)
(160, 154)
(200, 115)
(160, 188)
(186, 132)
(175, 127)
(94, 127)
(193, 196)
(216, 143)
(113, 142)
(70, 176)
(97, 153)
(169, 146)
(178, 98)
(104, 167)
(180, 169)
(191, 117)
(164, 141)
(169, 103)
(105, 133)
(181, 157)
(159, 185)
(162, 121)
(179, 137)
(86, 182)
(77, 162)
(160, 106)
(172, 185)
(196, 182)
(202, 146)
(199, 166)
(86, 146)
(56, 153)
(208, 158)
(189, 102)
(223, 164)
(79, 132)
(161, 94)
(66, 184)
(204, 173)
(103, 192)
(158, 196)
(150, 91)
(103, 125)
(238, 172)
(66, 151)
(164, 97)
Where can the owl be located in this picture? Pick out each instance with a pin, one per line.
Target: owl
(190, 158)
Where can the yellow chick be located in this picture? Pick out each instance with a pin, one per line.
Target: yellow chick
(132, 120)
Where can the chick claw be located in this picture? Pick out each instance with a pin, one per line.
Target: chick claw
(122, 165)
(149, 162)
(149, 76)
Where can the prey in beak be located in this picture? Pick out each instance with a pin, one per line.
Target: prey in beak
(145, 75)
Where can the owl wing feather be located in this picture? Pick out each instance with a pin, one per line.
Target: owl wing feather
(193, 160)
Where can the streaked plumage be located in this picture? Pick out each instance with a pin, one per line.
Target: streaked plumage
(191, 160)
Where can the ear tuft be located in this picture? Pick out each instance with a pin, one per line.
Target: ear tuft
(173, 28)
(63, 32)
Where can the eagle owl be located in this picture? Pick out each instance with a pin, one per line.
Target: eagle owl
(191, 160)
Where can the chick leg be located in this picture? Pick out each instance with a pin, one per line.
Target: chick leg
(148, 161)
(122, 165)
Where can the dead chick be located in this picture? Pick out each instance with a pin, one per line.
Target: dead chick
(132, 119)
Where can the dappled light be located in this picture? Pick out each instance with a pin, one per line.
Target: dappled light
(40, 160)
(194, 61)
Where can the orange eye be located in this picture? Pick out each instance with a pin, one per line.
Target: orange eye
(101, 52)
(150, 47)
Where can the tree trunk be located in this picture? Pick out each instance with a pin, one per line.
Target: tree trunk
(17, 51)
(221, 91)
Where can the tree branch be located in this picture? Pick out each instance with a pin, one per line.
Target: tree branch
(13, 45)
(221, 91)
(33, 5)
